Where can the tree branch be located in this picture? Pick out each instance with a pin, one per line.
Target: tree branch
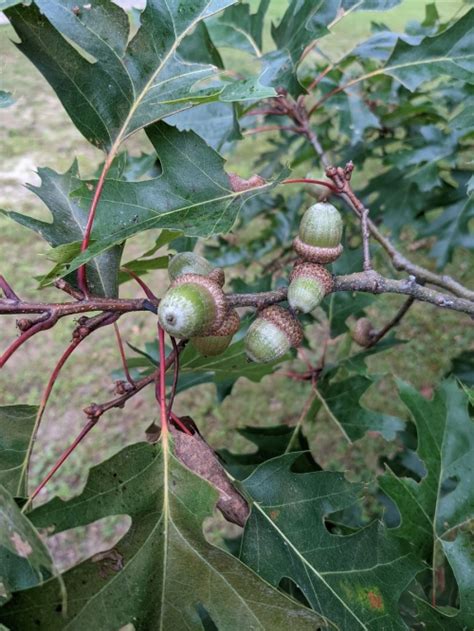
(368, 282)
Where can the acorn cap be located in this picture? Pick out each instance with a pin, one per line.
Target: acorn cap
(188, 263)
(218, 341)
(316, 254)
(313, 270)
(309, 283)
(218, 276)
(271, 334)
(192, 306)
(229, 326)
(285, 321)
(321, 226)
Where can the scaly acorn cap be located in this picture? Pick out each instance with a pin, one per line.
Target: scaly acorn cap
(217, 275)
(188, 263)
(192, 306)
(218, 341)
(320, 233)
(272, 334)
(309, 283)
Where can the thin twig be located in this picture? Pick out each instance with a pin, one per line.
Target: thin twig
(7, 290)
(83, 330)
(378, 335)
(82, 434)
(319, 77)
(122, 355)
(267, 128)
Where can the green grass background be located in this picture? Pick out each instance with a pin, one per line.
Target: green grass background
(34, 132)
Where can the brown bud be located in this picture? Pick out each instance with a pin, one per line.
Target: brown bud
(24, 324)
(363, 332)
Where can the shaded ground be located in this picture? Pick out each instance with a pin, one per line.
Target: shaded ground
(37, 132)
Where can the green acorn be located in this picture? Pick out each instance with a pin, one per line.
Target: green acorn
(272, 334)
(320, 233)
(188, 263)
(309, 283)
(192, 306)
(218, 341)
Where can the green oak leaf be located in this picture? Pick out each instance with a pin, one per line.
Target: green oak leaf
(354, 581)
(110, 86)
(237, 27)
(452, 230)
(270, 442)
(430, 509)
(24, 558)
(462, 367)
(341, 400)
(448, 53)
(67, 230)
(215, 122)
(302, 23)
(193, 195)
(165, 574)
(16, 426)
(446, 446)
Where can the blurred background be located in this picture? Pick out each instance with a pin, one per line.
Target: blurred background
(36, 132)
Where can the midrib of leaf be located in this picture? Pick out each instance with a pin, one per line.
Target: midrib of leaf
(248, 37)
(213, 569)
(178, 39)
(231, 195)
(73, 215)
(307, 565)
(333, 418)
(166, 516)
(421, 62)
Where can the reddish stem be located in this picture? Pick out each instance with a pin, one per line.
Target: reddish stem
(180, 424)
(160, 388)
(319, 78)
(310, 181)
(41, 325)
(175, 375)
(81, 273)
(7, 290)
(149, 294)
(122, 355)
(83, 433)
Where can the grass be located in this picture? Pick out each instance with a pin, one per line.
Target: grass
(37, 132)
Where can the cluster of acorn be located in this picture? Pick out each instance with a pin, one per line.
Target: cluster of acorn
(194, 307)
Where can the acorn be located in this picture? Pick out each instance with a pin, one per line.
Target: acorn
(194, 305)
(363, 332)
(272, 334)
(320, 233)
(218, 341)
(309, 283)
(188, 263)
